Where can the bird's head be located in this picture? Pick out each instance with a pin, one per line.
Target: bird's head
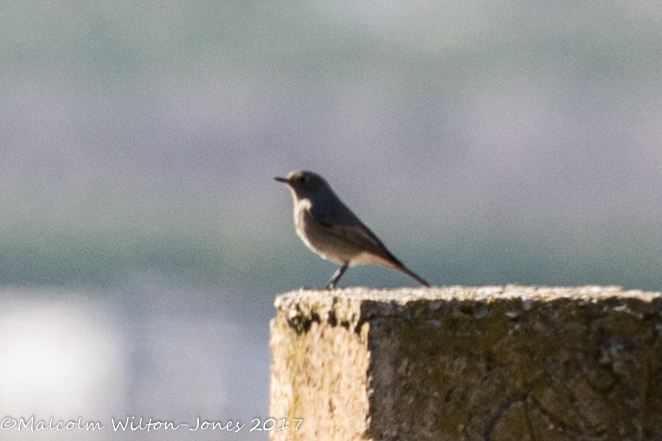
(304, 183)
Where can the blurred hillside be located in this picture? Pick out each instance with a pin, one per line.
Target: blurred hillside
(490, 142)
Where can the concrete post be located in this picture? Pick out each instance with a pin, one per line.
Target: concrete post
(462, 363)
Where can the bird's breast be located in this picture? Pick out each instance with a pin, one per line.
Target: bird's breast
(306, 227)
(301, 210)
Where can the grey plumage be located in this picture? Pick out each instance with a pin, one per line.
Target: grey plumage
(329, 228)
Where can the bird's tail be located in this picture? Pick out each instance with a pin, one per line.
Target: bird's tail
(412, 274)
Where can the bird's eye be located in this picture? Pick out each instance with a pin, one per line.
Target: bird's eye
(303, 179)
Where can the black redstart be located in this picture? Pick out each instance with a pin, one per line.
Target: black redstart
(329, 228)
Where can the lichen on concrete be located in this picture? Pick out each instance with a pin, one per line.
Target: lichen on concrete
(465, 363)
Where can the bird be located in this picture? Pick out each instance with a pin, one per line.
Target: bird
(330, 229)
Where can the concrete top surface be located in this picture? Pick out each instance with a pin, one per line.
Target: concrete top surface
(355, 304)
(466, 293)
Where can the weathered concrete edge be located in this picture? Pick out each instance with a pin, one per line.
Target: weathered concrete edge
(346, 306)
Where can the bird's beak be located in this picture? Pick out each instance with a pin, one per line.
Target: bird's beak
(283, 180)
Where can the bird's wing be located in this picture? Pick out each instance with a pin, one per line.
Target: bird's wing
(338, 220)
(356, 233)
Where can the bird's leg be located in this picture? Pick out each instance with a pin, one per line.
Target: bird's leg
(337, 275)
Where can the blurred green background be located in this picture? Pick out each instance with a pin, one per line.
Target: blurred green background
(490, 142)
(485, 142)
